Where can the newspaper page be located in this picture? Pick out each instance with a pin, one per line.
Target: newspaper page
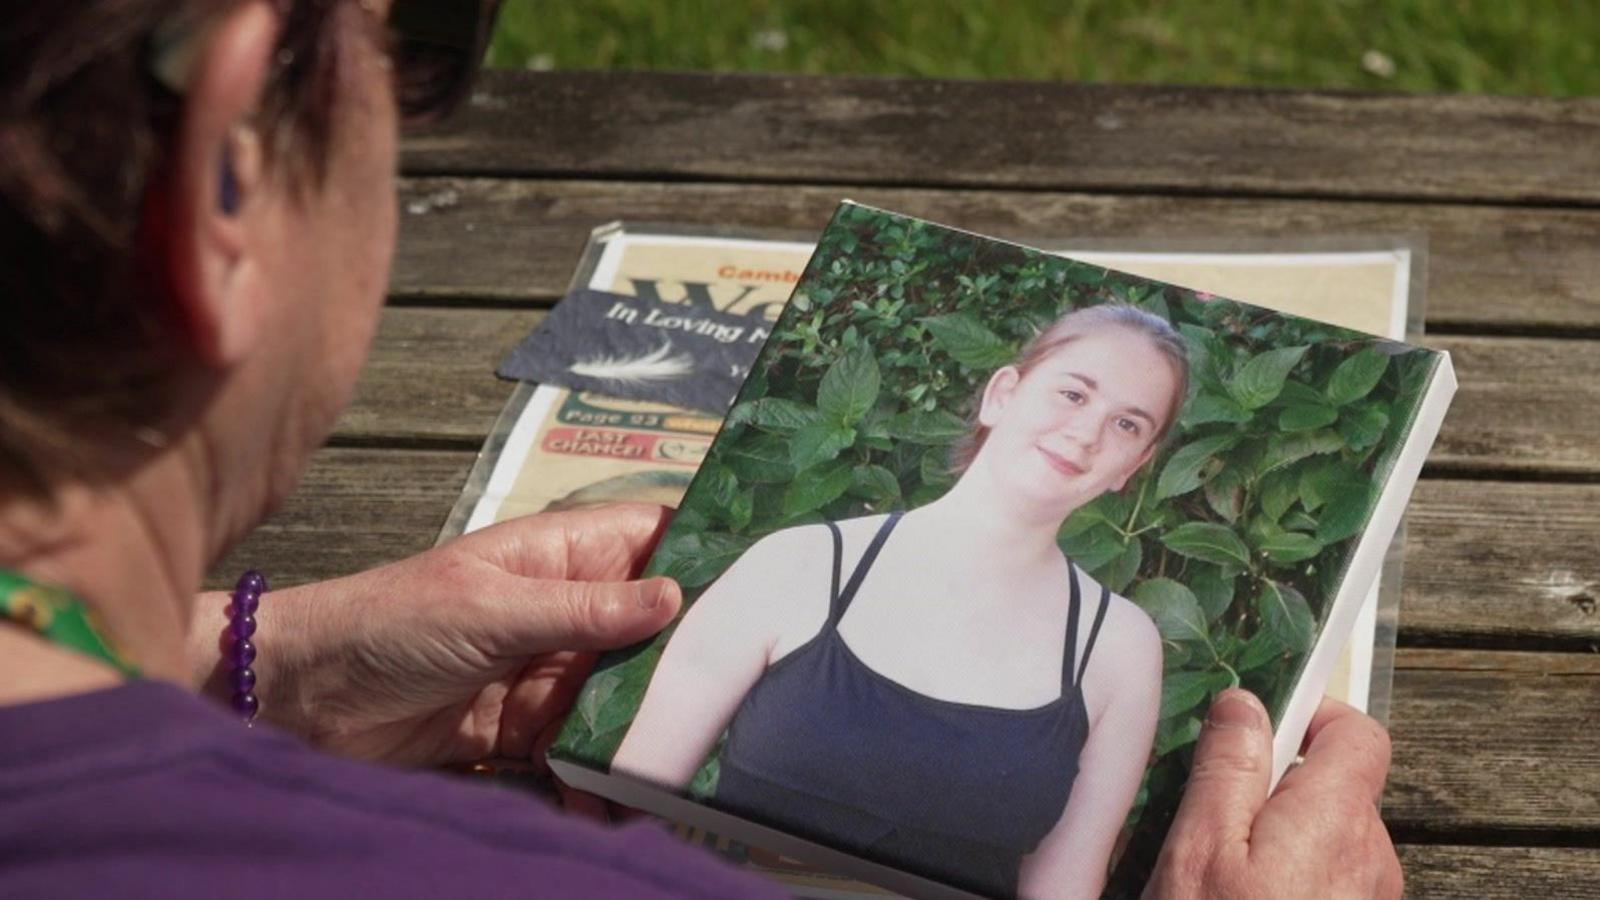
(555, 449)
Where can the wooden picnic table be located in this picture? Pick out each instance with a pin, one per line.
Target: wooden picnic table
(1495, 787)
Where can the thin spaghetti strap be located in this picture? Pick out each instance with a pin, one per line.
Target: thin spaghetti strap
(860, 573)
(838, 561)
(1094, 632)
(1070, 651)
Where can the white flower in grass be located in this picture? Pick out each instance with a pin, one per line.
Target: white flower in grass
(1378, 63)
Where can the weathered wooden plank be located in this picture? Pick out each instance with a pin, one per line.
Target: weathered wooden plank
(1487, 563)
(1498, 742)
(1453, 872)
(1525, 405)
(928, 132)
(1490, 265)
(1502, 563)
(354, 509)
(430, 375)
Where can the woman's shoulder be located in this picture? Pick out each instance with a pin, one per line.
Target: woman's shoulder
(1124, 669)
(804, 542)
(797, 559)
(1128, 633)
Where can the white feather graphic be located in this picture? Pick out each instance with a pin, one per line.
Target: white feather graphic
(657, 365)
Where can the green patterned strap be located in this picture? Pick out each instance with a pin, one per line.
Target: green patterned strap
(57, 616)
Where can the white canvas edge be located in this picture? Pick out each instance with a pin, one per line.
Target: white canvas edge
(1366, 561)
(672, 806)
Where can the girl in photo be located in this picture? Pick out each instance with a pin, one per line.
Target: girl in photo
(942, 689)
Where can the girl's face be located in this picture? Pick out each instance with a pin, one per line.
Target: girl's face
(1082, 421)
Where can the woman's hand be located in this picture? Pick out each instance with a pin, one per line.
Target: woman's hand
(1317, 836)
(469, 650)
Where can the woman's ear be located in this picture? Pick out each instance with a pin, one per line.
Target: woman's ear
(996, 394)
(206, 202)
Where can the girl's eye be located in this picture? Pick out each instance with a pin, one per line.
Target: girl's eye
(1074, 396)
(1129, 426)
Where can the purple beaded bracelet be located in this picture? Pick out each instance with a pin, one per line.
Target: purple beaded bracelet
(241, 651)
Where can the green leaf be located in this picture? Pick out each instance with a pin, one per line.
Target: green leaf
(1326, 480)
(1173, 607)
(1225, 493)
(1175, 734)
(819, 442)
(1209, 542)
(1259, 381)
(1121, 571)
(777, 414)
(876, 483)
(926, 427)
(849, 387)
(1207, 407)
(1306, 417)
(1175, 657)
(968, 341)
(698, 559)
(815, 488)
(596, 692)
(1206, 349)
(1363, 426)
(762, 459)
(1286, 449)
(1277, 492)
(1345, 514)
(1300, 520)
(1182, 692)
(1298, 393)
(1212, 590)
(1081, 520)
(619, 709)
(1093, 548)
(1286, 614)
(715, 484)
(1356, 377)
(1262, 649)
(935, 468)
(741, 510)
(1290, 547)
(704, 785)
(1184, 470)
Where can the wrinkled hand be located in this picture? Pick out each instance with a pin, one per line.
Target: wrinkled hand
(1317, 836)
(473, 649)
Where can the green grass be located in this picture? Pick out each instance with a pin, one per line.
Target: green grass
(1523, 47)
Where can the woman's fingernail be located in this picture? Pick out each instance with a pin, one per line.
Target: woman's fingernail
(1235, 709)
(650, 595)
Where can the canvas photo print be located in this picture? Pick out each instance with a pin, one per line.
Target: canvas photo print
(982, 535)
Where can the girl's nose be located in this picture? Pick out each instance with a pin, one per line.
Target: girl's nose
(1084, 429)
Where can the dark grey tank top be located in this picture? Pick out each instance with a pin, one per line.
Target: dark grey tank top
(828, 749)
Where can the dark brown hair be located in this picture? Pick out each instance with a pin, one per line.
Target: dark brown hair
(85, 333)
(1069, 328)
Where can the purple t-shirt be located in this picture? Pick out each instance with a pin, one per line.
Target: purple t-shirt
(146, 791)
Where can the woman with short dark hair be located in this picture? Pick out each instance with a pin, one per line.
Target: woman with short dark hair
(197, 213)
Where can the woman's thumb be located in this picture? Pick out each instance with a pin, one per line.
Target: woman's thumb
(1229, 778)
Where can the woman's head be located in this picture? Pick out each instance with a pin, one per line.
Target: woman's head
(86, 336)
(1085, 404)
(196, 222)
